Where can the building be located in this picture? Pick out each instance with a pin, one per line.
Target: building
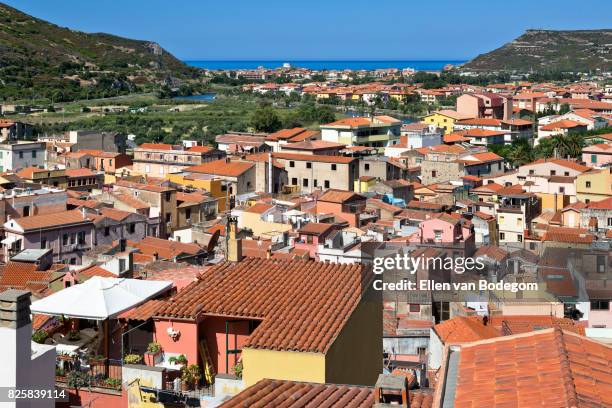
(96, 140)
(237, 177)
(485, 105)
(311, 172)
(238, 318)
(159, 159)
(242, 143)
(414, 136)
(379, 131)
(560, 128)
(51, 177)
(69, 234)
(11, 130)
(444, 119)
(344, 205)
(594, 185)
(84, 179)
(515, 209)
(278, 139)
(597, 155)
(477, 373)
(18, 156)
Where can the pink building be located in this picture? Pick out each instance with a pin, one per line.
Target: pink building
(597, 155)
(446, 231)
(310, 235)
(485, 105)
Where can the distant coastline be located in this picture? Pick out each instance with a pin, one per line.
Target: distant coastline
(419, 65)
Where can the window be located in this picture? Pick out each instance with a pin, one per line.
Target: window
(366, 166)
(438, 235)
(21, 155)
(72, 239)
(609, 222)
(305, 182)
(33, 154)
(502, 236)
(81, 237)
(121, 265)
(188, 213)
(43, 243)
(600, 305)
(26, 211)
(415, 307)
(593, 158)
(566, 173)
(65, 239)
(519, 237)
(106, 231)
(532, 172)
(294, 181)
(308, 165)
(434, 173)
(561, 190)
(315, 182)
(553, 173)
(326, 184)
(168, 217)
(334, 167)
(72, 261)
(532, 246)
(168, 195)
(291, 163)
(588, 184)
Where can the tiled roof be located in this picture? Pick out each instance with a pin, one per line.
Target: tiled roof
(114, 214)
(200, 149)
(222, 168)
(28, 172)
(480, 122)
(284, 134)
(96, 270)
(313, 145)
(315, 228)
(350, 122)
(483, 133)
(165, 249)
(141, 186)
(267, 289)
(568, 235)
(338, 196)
(561, 162)
(546, 368)
(463, 329)
(493, 252)
(22, 275)
(291, 394)
(190, 197)
(82, 172)
(51, 220)
(142, 312)
(517, 324)
(561, 124)
(605, 204)
(313, 158)
(259, 208)
(156, 146)
(489, 187)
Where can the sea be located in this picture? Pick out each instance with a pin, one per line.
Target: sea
(419, 65)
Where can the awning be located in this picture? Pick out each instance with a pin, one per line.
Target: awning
(100, 298)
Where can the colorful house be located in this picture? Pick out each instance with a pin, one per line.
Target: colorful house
(444, 119)
(247, 311)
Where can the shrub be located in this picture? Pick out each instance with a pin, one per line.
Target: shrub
(39, 336)
(132, 359)
(154, 347)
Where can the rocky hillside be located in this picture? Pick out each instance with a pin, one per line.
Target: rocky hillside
(40, 59)
(546, 50)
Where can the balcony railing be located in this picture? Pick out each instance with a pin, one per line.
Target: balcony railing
(102, 373)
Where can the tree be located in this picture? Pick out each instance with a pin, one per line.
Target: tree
(265, 119)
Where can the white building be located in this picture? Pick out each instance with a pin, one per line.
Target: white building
(379, 131)
(17, 156)
(415, 136)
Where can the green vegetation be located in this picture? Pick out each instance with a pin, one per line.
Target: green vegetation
(42, 61)
(39, 336)
(520, 152)
(132, 359)
(549, 52)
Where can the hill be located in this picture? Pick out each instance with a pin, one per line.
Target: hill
(39, 59)
(547, 50)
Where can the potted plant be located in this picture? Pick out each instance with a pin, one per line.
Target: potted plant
(132, 359)
(238, 369)
(39, 336)
(190, 375)
(96, 360)
(153, 354)
(113, 382)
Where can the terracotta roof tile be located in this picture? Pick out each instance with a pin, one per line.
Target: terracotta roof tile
(551, 368)
(22, 275)
(338, 196)
(261, 289)
(222, 168)
(163, 248)
(96, 270)
(463, 329)
(315, 228)
(291, 394)
(53, 220)
(313, 158)
(259, 208)
(156, 146)
(144, 311)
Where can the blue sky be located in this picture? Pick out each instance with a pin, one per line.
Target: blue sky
(318, 29)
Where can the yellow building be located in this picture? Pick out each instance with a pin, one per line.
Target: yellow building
(444, 119)
(548, 201)
(212, 184)
(594, 185)
(364, 184)
(259, 219)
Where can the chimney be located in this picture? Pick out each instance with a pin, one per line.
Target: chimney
(391, 389)
(234, 244)
(16, 338)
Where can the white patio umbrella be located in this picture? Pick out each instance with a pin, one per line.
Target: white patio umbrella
(99, 298)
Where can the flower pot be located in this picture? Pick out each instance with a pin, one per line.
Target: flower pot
(152, 359)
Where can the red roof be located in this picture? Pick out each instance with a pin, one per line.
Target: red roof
(463, 329)
(200, 149)
(222, 168)
(327, 293)
(561, 124)
(291, 394)
(156, 146)
(95, 270)
(545, 368)
(22, 275)
(61, 219)
(313, 158)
